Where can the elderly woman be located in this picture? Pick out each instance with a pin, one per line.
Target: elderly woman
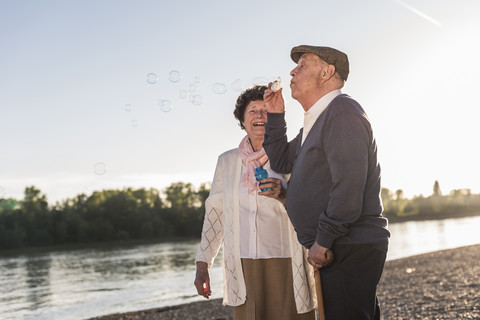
(265, 273)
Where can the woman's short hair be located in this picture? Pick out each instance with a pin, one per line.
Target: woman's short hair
(251, 94)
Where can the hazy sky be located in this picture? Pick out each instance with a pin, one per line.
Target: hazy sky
(77, 113)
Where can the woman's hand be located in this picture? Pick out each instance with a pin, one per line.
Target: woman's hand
(202, 280)
(277, 191)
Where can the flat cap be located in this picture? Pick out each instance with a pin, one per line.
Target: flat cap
(329, 55)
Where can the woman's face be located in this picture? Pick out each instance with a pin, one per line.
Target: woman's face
(254, 118)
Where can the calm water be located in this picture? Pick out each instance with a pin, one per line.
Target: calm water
(80, 284)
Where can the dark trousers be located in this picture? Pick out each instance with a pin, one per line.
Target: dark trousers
(349, 285)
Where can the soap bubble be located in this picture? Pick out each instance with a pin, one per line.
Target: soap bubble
(219, 88)
(174, 76)
(128, 107)
(192, 87)
(196, 80)
(236, 85)
(134, 123)
(152, 78)
(100, 168)
(183, 94)
(196, 99)
(165, 105)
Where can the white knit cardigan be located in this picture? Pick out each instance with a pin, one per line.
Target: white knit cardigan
(222, 224)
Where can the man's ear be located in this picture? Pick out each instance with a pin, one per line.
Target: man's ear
(329, 72)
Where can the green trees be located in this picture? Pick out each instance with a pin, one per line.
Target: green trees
(436, 189)
(12, 226)
(458, 203)
(37, 220)
(26, 221)
(186, 208)
(107, 215)
(147, 214)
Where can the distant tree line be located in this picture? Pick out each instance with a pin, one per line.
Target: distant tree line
(177, 212)
(109, 215)
(459, 203)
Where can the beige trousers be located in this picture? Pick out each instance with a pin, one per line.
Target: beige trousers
(269, 284)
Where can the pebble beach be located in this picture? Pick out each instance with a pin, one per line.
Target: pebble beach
(438, 285)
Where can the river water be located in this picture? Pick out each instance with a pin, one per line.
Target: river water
(84, 283)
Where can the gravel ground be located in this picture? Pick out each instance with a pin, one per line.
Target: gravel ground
(439, 285)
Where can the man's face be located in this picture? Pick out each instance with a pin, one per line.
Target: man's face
(306, 76)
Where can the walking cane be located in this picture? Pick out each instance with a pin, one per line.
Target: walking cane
(318, 286)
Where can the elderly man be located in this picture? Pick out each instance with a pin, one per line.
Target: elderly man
(333, 197)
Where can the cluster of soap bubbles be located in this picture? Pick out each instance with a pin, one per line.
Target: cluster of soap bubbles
(191, 91)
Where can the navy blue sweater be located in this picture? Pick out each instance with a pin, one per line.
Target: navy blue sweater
(333, 193)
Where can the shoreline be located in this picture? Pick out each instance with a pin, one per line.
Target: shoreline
(5, 252)
(443, 284)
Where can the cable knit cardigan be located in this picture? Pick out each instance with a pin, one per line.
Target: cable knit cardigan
(222, 224)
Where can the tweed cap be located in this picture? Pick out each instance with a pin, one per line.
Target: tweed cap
(329, 55)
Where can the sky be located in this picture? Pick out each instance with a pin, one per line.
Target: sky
(99, 95)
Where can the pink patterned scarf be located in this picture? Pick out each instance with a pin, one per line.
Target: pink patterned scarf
(252, 160)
